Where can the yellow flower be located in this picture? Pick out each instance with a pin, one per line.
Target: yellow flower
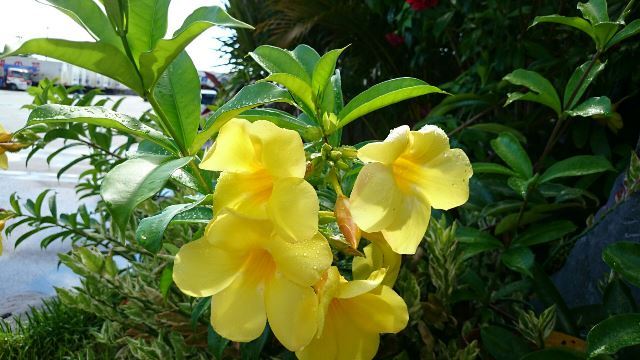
(378, 255)
(253, 275)
(263, 176)
(352, 314)
(404, 176)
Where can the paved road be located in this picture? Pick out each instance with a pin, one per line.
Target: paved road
(28, 273)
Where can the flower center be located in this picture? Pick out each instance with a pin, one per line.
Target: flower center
(259, 267)
(406, 173)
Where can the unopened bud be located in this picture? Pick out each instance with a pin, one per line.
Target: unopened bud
(345, 221)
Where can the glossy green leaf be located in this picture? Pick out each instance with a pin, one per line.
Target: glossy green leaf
(116, 12)
(576, 166)
(135, 180)
(613, 334)
(197, 215)
(332, 101)
(491, 168)
(276, 60)
(624, 258)
(542, 91)
(384, 94)
(248, 97)
(285, 121)
(575, 22)
(88, 15)
(323, 70)
(147, 24)
(604, 32)
(166, 280)
(519, 185)
(502, 344)
(519, 259)
(299, 89)
(554, 354)
(595, 11)
(473, 241)
(216, 343)
(632, 29)
(99, 57)
(307, 56)
(544, 232)
(97, 115)
(513, 154)
(178, 94)
(572, 88)
(151, 229)
(252, 350)
(154, 63)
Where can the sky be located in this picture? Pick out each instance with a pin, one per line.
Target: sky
(26, 19)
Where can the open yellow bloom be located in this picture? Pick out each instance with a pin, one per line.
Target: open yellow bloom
(352, 314)
(253, 275)
(263, 176)
(404, 176)
(378, 255)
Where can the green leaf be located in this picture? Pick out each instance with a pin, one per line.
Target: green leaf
(88, 15)
(542, 91)
(617, 298)
(151, 229)
(613, 334)
(502, 344)
(135, 180)
(97, 115)
(632, 29)
(323, 71)
(595, 11)
(473, 241)
(202, 304)
(247, 98)
(498, 129)
(154, 63)
(513, 154)
(332, 101)
(166, 279)
(117, 11)
(575, 22)
(276, 60)
(554, 354)
(543, 233)
(300, 90)
(604, 32)
(197, 215)
(624, 258)
(575, 78)
(216, 343)
(285, 121)
(384, 94)
(519, 259)
(147, 24)
(178, 93)
(491, 168)
(307, 56)
(520, 185)
(592, 106)
(576, 166)
(99, 57)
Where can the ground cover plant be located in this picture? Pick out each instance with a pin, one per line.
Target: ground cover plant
(290, 222)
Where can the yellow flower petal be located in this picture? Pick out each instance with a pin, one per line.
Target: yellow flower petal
(408, 227)
(326, 289)
(293, 207)
(247, 194)
(387, 151)
(238, 312)
(353, 342)
(324, 347)
(292, 312)
(303, 262)
(233, 149)
(355, 288)
(446, 179)
(427, 143)
(238, 234)
(281, 150)
(375, 198)
(383, 312)
(200, 269)
(378, 255)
